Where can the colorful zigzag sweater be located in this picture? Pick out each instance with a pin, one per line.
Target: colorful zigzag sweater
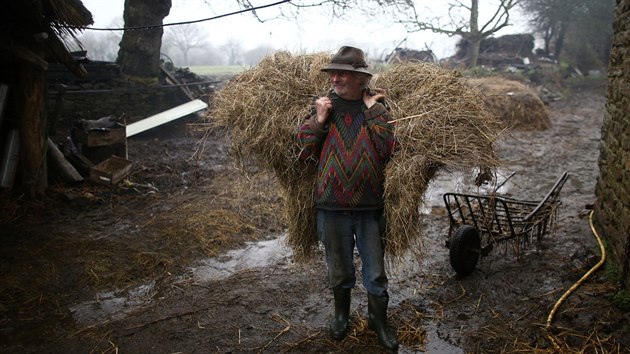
(351, 151)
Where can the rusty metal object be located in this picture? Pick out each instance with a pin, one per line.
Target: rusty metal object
(496, 219)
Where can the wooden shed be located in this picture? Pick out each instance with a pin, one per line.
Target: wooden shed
(33, 35)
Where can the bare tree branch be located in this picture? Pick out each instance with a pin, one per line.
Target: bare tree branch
(457, 24)
(501, 17)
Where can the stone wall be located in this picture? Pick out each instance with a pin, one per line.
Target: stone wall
(103, 92)
(612, 212)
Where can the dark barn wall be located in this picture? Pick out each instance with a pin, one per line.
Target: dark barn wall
(103, 92)
(613, 186)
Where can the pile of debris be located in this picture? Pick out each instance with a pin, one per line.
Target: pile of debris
(192, 85)
(400, 55)
(510, 50)
(97, 149)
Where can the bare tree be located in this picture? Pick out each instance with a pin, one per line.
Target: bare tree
(141, 42)
(463, 20)
(208, 55)
(253, 56)
(102, 45)
(589, 38)
(233, 50)
(139, 54)
(587, 22)
(185, 38)
(551, 19)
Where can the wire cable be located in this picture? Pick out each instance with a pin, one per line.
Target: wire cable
(180, 23)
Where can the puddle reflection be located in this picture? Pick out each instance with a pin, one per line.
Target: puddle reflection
(255, 255)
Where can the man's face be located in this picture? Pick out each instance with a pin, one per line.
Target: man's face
(347, 84)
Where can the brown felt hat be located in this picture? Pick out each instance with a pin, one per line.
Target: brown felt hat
(348, 59)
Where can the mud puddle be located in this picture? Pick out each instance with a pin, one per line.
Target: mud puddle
(255, 255)
(112, 305)
(115, 305)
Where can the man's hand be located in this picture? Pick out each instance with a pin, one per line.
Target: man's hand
(370, 98)
(323, 107)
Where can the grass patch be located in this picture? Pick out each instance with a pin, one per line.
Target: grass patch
(217, 69)
(621, 299)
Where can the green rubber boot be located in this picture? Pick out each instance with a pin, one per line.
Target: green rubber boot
(340, 323)
(377, 321)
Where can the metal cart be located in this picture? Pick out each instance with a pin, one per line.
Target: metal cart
(478, 222)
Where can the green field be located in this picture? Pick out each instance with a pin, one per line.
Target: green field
(217, 69)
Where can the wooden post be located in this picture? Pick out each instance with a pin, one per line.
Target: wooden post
(30, 92)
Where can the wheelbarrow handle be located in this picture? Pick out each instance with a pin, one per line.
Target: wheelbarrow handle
(504, 181)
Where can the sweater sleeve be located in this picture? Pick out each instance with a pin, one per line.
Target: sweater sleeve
(310, 137)
(381, 130)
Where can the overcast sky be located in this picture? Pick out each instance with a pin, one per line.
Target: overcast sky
(312, 32)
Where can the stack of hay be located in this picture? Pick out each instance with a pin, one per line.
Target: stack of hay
(441, 123)
(516, 104)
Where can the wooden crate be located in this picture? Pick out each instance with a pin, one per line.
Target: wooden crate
(111, 171)
(116, 135)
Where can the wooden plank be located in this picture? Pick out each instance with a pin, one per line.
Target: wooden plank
(165, 117)
(170, 78)
(4, 90)
(65, 170)
(36, 59)
(8, 168)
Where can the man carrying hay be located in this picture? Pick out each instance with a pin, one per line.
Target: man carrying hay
(349, 138)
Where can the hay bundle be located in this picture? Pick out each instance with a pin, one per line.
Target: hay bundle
(441, 123)
(262, 109)
(517, 105)
(263, 106)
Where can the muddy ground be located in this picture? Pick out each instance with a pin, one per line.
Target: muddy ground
(186, 257)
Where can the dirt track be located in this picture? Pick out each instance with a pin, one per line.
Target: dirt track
(146, 268)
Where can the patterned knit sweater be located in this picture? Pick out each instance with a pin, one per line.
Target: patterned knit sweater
(351, 151)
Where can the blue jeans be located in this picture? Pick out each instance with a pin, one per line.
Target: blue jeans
(338, 231)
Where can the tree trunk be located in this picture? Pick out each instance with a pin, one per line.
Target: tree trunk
(474, 44)
(474, 41)
(559, 44)
(549, 33)
(185, 55)
(139, 54)
(32, 118)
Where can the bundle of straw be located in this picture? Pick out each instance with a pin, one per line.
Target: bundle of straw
(516, 104)
(262, 109)
(441, 123)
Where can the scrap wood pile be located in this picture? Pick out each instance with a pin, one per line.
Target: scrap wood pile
(516, 104)
(441, 123)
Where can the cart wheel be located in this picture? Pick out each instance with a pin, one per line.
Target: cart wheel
(464, 250)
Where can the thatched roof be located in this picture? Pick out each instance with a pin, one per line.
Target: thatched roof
(53, 21)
